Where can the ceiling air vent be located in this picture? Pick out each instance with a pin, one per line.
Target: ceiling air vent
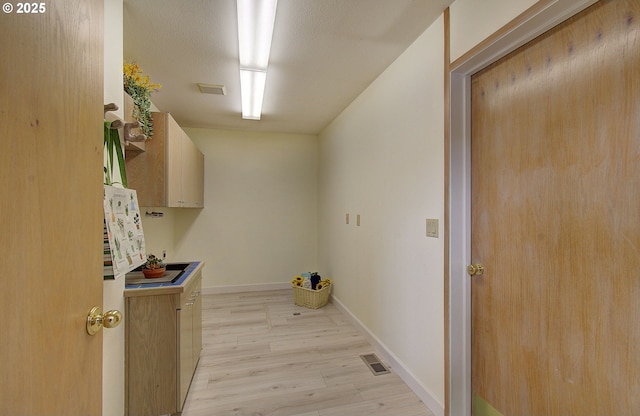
(212, 89)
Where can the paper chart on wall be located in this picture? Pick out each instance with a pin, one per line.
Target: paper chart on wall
(124, 248)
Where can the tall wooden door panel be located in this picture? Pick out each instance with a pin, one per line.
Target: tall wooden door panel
(556, 220)
(51, 89)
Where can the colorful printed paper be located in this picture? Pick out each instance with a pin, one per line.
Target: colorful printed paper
(124, 248)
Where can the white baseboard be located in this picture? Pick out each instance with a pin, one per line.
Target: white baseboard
(245, 288)
(405, 374)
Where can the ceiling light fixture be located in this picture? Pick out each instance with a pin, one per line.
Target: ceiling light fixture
(256, 19)
(252, 89)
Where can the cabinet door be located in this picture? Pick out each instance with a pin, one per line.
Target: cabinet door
(146, 171)
(192, 174)
(170, 172)
(197, 325)
(174, 164)
(151, 368)
(186, 350)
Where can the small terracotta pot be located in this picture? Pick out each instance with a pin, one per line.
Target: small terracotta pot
(153, 273)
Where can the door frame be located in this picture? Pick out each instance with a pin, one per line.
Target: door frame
(539, 18)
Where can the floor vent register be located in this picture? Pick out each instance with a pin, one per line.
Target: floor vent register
(374, 364)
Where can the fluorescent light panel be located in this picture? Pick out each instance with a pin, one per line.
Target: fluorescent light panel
(255, 30)
(256, 19)
(252, 89)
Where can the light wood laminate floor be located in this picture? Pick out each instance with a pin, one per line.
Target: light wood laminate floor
(260, 358)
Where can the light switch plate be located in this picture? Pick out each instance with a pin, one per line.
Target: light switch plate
(432, 227)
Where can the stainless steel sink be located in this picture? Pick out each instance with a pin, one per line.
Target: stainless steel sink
(178, 266)
(173, 273)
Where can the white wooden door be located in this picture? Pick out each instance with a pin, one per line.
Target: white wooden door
(51, 76)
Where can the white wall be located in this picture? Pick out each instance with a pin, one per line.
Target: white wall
(472, 21)
(383, 158)
(259, 223)
(113, 339)
(113, 50)
(159, 233)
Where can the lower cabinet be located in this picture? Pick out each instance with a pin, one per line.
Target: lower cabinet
(162, 346)
(190, 322)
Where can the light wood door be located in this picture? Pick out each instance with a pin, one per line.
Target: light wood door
(51, 89)
(556, 221)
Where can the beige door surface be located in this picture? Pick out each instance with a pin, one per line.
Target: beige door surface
(51, 76)
(556, 221)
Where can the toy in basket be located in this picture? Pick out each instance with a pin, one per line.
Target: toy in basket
(305, 295)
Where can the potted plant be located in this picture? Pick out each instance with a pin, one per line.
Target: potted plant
(154, 267)
(140, 88)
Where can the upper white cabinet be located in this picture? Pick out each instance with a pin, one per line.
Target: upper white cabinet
(170, 172)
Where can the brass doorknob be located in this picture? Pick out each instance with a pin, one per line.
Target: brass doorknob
(96, 320)
(475, 269)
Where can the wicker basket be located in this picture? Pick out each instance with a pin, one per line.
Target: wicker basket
(313, 299)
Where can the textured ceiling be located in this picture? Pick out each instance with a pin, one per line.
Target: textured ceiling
(324, 54)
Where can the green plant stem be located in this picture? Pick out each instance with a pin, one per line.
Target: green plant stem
(112, 143)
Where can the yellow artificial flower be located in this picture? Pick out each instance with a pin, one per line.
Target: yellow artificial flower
(133, 75)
